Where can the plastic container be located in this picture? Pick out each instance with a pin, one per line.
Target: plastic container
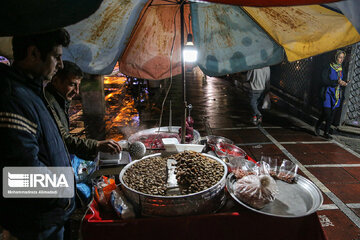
(170, 144)
(189, 147)
(213, 140)
(223, 149)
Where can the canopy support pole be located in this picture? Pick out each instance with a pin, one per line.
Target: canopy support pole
(183, 122)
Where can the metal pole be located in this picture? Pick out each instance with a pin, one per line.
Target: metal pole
(183, 123)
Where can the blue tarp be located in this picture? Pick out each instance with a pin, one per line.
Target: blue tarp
(229, 41)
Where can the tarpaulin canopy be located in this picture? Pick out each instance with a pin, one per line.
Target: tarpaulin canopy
(248, 37)
(140, 35)
(269, 3)
(229, 38)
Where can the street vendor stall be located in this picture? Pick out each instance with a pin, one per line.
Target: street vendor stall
(234, 222)
(197, 195)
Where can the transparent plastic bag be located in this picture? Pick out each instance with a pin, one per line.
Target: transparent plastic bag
(288, 171)
(121, 205)
(103, 189)
(272, 165)
(263, 169)
(256, 190)
(242, 167)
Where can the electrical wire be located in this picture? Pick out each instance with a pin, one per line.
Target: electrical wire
(171, 55)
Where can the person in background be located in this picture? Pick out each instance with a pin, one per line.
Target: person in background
(332, 80)
(259, 80)
(29, 135)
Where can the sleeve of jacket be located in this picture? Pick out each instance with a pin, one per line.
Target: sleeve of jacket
(19, 133)
(83, 148)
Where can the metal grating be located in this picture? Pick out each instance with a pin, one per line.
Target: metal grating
(293, 78)
(353, 110)
(302, 81)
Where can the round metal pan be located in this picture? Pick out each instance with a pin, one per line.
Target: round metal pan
(206, 201)
(294, 200)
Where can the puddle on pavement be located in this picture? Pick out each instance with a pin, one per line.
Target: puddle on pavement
(126, 99)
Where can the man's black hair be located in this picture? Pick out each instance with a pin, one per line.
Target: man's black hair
(45, 42)
(70, 70)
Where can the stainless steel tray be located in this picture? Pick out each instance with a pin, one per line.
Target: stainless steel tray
(294, 200)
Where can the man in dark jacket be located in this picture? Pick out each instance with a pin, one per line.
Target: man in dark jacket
(59, 93)
(29, 135)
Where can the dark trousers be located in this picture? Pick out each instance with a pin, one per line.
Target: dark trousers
(256, 101)
(328, 115)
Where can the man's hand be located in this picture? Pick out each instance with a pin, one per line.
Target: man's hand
(108, 146)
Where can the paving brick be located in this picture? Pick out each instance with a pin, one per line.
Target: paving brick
(243, 135)
(355, 172)
(337, 226)
(333, 175)
(346, 192)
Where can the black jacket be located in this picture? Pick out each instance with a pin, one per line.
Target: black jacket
(29, 136)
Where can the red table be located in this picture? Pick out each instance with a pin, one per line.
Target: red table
(232, 222)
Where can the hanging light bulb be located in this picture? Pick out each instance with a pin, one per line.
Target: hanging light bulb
(189, 52)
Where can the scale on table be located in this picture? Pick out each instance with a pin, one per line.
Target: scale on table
(122, 158)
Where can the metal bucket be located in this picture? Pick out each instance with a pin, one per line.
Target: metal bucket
(206, 201)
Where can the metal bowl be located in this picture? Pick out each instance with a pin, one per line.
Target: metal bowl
(166, 130)
(206, 201)
(212, 140)
(223, 149)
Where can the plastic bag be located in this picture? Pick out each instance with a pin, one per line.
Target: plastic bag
(287, 171)
(272, 165)
(242, 167)
(263, 169)
(103, 189)
(122, 207)
(267, 102)
(84, 187)
(255, 190)
(84, 170)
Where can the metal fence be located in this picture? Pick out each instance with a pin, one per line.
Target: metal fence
(352, 114)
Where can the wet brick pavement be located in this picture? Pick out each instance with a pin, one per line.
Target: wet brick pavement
(333, 165)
